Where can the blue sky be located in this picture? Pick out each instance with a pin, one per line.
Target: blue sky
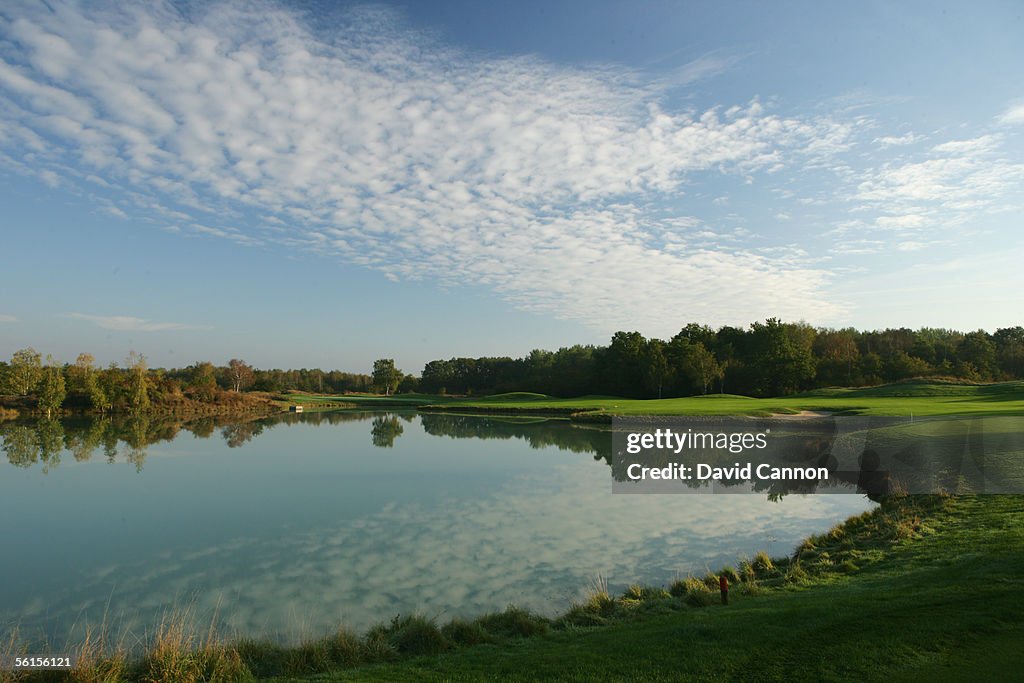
(325, 184)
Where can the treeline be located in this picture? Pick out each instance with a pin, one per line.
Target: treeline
(772, 358)
(44, 441)
(134, 387)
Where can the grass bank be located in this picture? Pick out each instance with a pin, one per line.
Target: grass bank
(922, 587)
(906, 398)
(922, 398)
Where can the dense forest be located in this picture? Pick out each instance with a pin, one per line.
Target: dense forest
(772, 358)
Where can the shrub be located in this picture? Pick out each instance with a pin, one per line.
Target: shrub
(262, 657)
(640, 593)
(763, 563)
(731, 574)
(580, 616)
(378, 648)
(514, 622)
(414, 635)
(462, 632)
(308, 658)
(691, 584)
(346, 648)
(598, 599)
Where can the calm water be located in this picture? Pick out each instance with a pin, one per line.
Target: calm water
(290, 525)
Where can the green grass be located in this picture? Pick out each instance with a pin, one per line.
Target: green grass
(931, 596)
(922, 398)
(366, 400)
(903, 399)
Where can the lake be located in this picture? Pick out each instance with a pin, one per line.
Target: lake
(290, 525)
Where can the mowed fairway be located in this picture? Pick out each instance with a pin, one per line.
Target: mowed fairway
(906, 398)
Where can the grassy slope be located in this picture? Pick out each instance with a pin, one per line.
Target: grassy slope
(947, 606)
(905, 398)
(367, 400)
(918, 398)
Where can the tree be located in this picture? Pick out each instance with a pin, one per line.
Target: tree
(112, 384)
(656, 367)
(409, 384)
(240, 374)
(51, 387)
(386, 376)
(702, 366)
(138, 382)
(977, 350)
(837, 353)
(782, 360)
(902, 365)
(203, 381)
(620, 366)
(78, 374)
(1009, 343)
(84, 380)
(24, 371)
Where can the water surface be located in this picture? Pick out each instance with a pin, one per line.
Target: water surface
(290, 525)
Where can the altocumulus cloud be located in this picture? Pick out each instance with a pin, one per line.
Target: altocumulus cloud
(380, 146)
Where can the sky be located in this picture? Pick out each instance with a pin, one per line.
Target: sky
(323, 184)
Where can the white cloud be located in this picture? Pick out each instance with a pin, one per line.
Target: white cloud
(125, 323)
(959, 180)
(390, 151)
(7, 318)
(897, 140)
(704, 67)
(901, 222)
(984, 143)
(1014, 115)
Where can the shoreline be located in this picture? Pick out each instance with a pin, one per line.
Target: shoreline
(849, 546)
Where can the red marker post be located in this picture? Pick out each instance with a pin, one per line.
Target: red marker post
(723, 585)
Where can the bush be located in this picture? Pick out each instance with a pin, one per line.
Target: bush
(691, 584)
(640, 593)
(730, 574)
(378, 648)
(415, 635)
(580, 616)
(514, 622)
(695, 592)
(262, 657)
(308, 658)
(462, 632)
